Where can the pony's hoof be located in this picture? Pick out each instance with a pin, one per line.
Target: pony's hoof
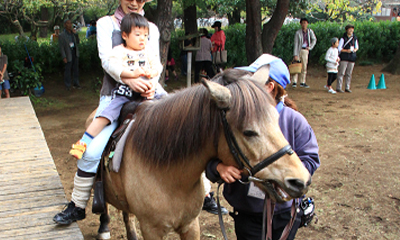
(103, 236)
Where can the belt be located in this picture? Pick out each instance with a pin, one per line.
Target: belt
(303, 48)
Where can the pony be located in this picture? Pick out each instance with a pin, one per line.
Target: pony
(171, 142)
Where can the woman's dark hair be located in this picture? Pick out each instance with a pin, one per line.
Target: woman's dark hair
(132, 20)
(204, 31)
(279, 92)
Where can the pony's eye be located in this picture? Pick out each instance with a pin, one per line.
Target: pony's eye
(249, 133)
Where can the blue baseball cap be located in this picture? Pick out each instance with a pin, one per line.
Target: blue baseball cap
(278, 70)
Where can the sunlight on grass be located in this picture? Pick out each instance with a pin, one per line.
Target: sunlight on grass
(11, 36)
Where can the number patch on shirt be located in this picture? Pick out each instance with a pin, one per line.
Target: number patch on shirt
(124, 90)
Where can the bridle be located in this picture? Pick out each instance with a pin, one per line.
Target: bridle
(237, 154)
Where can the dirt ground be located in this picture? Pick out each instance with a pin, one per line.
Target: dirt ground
(355, 189)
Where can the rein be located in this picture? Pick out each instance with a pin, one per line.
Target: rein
(268, 211)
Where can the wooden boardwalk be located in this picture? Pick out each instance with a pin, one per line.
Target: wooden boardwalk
(31, 192)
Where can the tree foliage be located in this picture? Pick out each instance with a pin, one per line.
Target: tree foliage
(344, 10)
(16, 10)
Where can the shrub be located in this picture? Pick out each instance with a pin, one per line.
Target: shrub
(26, 78)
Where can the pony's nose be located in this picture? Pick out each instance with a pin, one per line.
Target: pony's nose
(297, 185)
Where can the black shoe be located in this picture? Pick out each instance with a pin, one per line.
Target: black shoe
(304, 85)
(294, 85)
(211, 206)
(76, 87)
(70, 214)
(339, 91)
(348, 90)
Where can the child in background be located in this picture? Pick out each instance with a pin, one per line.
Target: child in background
(130, 60)
(170, 66)
(332, 63)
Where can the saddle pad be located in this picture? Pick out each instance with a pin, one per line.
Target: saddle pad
(119, 149)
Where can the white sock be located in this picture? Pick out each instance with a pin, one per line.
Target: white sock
(82, 190)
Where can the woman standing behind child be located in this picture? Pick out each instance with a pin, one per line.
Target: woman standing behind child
(332, 63)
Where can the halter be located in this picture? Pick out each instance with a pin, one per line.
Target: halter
(268, 211)
(237, 152)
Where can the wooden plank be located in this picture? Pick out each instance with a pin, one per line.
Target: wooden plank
(31, 192)
(39, 231)
(24, 195)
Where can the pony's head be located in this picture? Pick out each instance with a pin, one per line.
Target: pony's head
(253, 120)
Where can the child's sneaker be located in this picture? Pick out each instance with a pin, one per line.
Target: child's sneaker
(332, 91)
(78, 149)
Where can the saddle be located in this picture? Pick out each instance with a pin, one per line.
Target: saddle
(126, 117)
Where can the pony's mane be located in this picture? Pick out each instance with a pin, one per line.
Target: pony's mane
(170, 130)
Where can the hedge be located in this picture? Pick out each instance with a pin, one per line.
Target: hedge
(378, 43)
(378, 40)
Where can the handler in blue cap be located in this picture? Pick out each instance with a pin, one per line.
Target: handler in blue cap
(248, 200)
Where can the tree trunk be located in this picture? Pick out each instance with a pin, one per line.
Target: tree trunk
(34, 30)
(44, 17)
(17, 24)
(190, 21)
(165, 24)
(82, 20)
(234, 17)
(189, 18)
(151, 13)
(394, 65)
(274, 25)
(253, 30)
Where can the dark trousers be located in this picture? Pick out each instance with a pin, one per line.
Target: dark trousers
(71, 74)
(184, 64)
(331, 78)
(206, 65)
(249, 226)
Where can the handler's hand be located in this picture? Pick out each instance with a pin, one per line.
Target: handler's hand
(228, 173)
(65, 60)
(296, 58)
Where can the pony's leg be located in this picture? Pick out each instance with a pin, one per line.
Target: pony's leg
(150, 232)
(104, 232)
(192, 231)
(130, 227)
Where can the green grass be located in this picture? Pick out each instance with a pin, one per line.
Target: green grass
(11, 36)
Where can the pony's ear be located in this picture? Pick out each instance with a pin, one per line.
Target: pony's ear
(220, 94)
(262, 74)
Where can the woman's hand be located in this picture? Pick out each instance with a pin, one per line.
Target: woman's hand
(149, 94)
(228, 173)
(138, 84)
